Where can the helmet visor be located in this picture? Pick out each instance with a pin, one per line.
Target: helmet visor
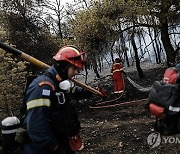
(81, 57)
(79, 60)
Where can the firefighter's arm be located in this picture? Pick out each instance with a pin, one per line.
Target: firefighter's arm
(80, 93)
(38, 118)
(122, 70)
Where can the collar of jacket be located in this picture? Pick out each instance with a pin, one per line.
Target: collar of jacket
(54, 74)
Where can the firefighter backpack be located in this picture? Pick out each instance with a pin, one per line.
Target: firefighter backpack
(164, 102)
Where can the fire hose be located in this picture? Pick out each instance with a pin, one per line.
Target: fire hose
(41, 64)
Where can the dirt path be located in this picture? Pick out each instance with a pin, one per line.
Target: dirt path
(124, 129)
(118, 130)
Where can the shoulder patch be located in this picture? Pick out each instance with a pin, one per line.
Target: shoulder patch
(47, 83)
(46, 92)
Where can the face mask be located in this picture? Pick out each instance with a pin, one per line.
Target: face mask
(65, 85)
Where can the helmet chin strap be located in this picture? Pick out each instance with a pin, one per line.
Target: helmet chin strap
(62, 69)
(65, 71)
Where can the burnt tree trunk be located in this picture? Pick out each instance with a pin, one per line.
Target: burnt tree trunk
(95, 66)
(124, 48)
(157, 45)
(140, 71)
(170, 52)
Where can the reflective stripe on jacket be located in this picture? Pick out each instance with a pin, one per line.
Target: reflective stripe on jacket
(116, 71)
(45, 106)
(39, 114)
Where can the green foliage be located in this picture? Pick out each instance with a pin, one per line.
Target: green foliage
(92, 28)
(32, 39)
(28, 30)
(12, 80)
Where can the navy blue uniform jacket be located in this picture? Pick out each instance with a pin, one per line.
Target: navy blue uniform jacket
(44, 102)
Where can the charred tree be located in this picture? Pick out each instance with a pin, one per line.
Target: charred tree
(140, 71)
(171, 55)
(157, 46)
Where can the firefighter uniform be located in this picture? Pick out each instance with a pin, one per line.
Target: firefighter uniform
(46, 118)
(117, 77)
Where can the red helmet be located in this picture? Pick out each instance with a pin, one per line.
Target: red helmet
(72, 55)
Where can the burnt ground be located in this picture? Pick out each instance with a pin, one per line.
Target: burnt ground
(125, 128)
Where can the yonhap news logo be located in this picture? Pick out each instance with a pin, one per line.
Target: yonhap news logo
(155, 140)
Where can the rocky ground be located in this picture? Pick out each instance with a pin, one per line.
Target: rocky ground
(123, 128)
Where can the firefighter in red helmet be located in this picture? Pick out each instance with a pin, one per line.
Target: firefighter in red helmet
(51, 122)
(117, 76)
(69, 56)
(72, 55)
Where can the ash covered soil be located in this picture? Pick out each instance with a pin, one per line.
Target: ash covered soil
(124, 128)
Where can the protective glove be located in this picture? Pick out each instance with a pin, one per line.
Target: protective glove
(76, 143)
(102, 91)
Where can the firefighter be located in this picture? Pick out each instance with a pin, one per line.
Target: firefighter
(117, 76)
(51, 122)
